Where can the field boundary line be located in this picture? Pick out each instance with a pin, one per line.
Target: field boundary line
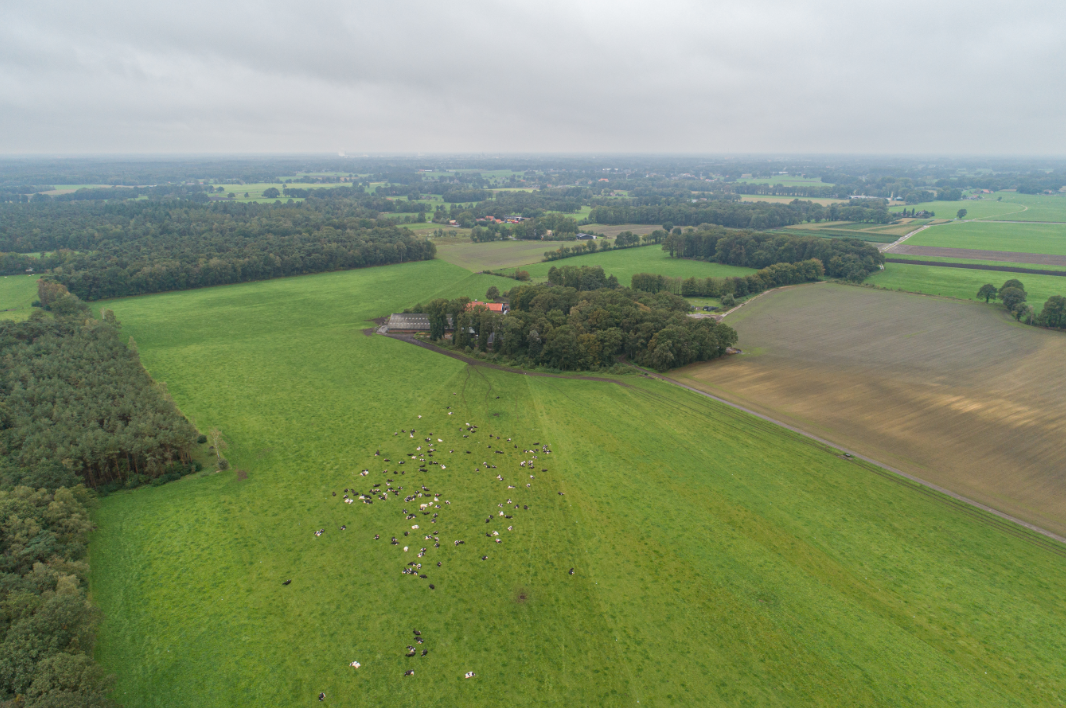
(917, 480)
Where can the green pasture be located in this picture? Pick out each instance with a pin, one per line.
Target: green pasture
(627, 262)
(786, 200)
(1021, 238)
(495, 254)
(718, 560)
(1009, 206)
(962, 282)
(17, 292)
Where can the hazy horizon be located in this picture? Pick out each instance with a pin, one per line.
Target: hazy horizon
(818, 77)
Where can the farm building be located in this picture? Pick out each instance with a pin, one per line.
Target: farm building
(587, 237)
(412, 322)
(491, 306)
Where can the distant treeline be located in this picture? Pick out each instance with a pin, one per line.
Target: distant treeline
(133, 248)
(843, 258)
(770, 277)
(758, 215)
(569, 329)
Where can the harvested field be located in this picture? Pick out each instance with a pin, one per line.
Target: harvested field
(499, 254)
(612, 231)
(955, 393)
(976, 254)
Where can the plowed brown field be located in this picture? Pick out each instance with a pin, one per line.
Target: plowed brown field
(953, 392)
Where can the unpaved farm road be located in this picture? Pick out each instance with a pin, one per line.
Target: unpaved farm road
(1003, 522)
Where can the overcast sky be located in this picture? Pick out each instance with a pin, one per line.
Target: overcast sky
(801, 76)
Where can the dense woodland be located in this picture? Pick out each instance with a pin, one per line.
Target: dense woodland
(47, 626)
(132, 248)
(571, 329)
(843, 258)
(78, 407)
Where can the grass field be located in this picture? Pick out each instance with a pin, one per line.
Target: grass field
(718, 560)
(17, 292)
(963, 283)
(956, 393)
(1021, 238)
(626, 262)
(1002, 205)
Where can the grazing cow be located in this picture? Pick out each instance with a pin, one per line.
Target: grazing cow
(469, 674)
(322, 696)
(571, 571)
(355, 664)
(409, 673)
(484, 558)
(425, 651)
(287, 582)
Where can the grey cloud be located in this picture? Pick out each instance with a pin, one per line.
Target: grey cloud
(763, 75)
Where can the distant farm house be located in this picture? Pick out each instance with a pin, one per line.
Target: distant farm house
(590, 237)
(502, 307)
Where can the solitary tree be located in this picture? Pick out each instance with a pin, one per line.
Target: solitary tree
(493, 293)
(987, 291)
(961, 214)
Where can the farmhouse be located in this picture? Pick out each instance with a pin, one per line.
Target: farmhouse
(590, 237)
(502, 307)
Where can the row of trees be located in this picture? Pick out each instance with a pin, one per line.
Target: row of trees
(570, 329)
(626, 239)
(843, 258)
(770, 277)
(1014, 297)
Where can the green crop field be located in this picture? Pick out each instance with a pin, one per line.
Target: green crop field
(1021, 238)
(962, 282)
(718, 560)
(17, 293)
(626, 262)
(1009, 206)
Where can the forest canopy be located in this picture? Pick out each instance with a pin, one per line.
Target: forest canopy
(134, 248)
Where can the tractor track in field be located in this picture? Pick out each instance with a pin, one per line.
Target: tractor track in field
(986, 515)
